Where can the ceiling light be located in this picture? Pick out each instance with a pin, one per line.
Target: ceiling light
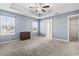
(40, 7)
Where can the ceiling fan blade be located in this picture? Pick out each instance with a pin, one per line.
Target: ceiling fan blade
(43, 10)
(46, 6)
(32, 7)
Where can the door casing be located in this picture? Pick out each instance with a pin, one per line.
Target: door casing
(77, 15)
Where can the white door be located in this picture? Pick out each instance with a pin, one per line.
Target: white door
(46, 28)
(49, 28)
(73, 28)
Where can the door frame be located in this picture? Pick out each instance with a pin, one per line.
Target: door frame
(50, 27)
(68, 23)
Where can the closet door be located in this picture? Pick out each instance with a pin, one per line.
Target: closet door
(73, 28)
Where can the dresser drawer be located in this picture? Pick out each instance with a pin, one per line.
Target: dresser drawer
(25, 35)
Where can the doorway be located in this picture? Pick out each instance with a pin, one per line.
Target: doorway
(74, 28)
(46, 28)
(49, 28)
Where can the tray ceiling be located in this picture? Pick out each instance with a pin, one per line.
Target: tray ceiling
(41, 10)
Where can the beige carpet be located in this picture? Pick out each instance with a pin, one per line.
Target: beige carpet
(39, 47)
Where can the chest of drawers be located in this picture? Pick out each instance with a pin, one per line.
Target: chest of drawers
(25, 35)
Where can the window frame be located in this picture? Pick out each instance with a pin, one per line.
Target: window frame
(37, 26)
(14, 24)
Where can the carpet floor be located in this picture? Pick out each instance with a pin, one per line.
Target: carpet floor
(39, 47)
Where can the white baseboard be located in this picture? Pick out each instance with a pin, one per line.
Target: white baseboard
(61, 40)
(9, 41)
(18, 40)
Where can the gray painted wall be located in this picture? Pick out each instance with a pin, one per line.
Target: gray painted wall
(22, 23)
(60, 25)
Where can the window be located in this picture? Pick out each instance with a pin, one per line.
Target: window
(7, 25)
(34, 26)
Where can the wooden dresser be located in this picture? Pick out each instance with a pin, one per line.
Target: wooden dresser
(25, 35)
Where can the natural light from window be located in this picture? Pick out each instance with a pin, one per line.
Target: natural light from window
(34, 26)
(7, 25)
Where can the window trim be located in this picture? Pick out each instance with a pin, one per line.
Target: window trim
(37, 27)
(14, 24)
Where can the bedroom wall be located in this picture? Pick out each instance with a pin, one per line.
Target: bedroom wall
(60, 25)
(22, 23)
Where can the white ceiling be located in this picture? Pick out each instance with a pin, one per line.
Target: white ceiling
(55, 8)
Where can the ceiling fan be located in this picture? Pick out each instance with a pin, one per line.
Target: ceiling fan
(40, 7)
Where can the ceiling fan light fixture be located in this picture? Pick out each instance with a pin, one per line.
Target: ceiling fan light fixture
(40, 7)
